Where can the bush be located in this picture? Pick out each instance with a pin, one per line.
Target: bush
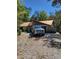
(57, 20)
(18, 31)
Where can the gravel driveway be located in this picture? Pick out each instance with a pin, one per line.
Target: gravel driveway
(36, 48)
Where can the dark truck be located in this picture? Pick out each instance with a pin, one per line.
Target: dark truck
(37, 30)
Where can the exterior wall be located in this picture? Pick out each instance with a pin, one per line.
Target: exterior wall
(48, 29)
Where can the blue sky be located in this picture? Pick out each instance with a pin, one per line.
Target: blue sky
(39, 5)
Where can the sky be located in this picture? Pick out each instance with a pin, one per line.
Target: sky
(39, 5)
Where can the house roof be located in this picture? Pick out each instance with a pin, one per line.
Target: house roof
(25, 24)
(47, 22)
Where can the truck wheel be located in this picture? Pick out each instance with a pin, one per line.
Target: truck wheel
(31, 35)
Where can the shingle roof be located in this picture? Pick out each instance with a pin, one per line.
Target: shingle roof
(47, 22)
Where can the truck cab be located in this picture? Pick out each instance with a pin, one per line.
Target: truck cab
(37, 30)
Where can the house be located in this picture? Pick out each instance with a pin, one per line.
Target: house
(48, 25)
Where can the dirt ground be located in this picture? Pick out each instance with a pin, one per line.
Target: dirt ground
(36, 48)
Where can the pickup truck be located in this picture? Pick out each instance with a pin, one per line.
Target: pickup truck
(37, 30)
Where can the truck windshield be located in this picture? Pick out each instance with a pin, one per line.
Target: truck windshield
(36, 26)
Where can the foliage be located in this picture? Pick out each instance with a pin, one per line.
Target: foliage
(35, 16)
(22, 12)
(42, 15)
(51, 16)
(18, 31)
(55, 2)
(57, 17)
(57, 20)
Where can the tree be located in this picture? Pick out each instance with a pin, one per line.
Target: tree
(55, 2)
(57, 17)
(42, 15)
(57, 20)
(22, 12)
(22, 15)
(35, 16)
(51, 16)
